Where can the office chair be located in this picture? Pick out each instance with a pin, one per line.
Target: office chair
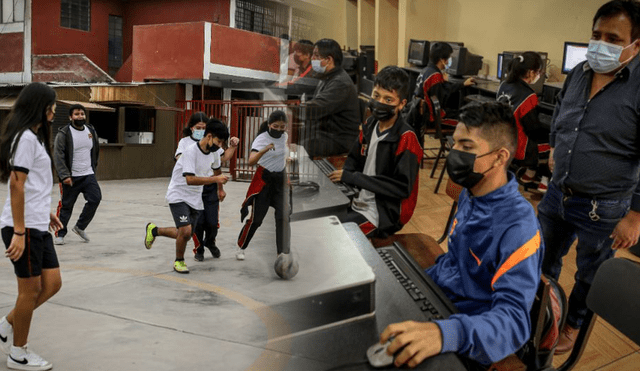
(615, 297)
(452, 190)
(443, 135)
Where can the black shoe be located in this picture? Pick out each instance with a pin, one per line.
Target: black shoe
(215, 251)
(199, 256)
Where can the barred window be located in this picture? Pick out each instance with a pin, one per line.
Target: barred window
(115, 44)
(302, 25)
(75, 14)
(262, 16)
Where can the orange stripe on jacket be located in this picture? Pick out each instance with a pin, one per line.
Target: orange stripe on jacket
(525, 251)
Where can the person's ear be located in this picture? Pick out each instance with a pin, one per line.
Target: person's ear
(402, 104)
(503, 156)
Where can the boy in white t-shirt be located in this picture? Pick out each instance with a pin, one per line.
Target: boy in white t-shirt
(191, 172)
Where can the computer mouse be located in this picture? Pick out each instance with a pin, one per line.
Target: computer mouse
(377, 354)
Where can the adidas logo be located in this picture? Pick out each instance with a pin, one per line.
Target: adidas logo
(184, 219)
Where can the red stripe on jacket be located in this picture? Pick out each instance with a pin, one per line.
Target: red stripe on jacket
(431, 81)
(409, 142)
(523, 109)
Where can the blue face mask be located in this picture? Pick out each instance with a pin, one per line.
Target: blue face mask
(317, 66)
(449, 63)
(604, 57)
(198, 134)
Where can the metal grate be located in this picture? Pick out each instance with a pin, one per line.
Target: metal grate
(262, 16)
(75, 14)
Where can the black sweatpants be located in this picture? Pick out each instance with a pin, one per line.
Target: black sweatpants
(276, 193)
(207, 226)
(88, 186)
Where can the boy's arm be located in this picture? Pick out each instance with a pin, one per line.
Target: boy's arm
(400, 185)
(59, 149)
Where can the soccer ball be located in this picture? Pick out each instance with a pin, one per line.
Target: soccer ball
(285, 266)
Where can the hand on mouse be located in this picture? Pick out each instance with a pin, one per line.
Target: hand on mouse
(419, 340)
(470, 81)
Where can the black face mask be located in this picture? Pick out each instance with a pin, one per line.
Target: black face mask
(382, 112)
(79, 123)
(275, 133)
(460, 168)
(212, 148)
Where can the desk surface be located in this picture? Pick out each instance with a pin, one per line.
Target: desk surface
(347, 343)
(328, 201)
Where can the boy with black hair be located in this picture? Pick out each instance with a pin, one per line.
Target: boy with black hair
(75, 155)
(190, 173)
(493, 267)
(384, 161)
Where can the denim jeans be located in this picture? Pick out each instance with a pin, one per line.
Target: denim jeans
(562, 220)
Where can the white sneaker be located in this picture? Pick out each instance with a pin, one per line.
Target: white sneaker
(81, 233)
(6, 335)
(240, 254)
(58, 241)
(22, 358)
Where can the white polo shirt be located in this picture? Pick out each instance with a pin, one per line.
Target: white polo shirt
(274, 160)
(193, 161)
(32, 158)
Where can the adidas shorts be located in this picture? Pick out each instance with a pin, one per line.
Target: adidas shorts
(38, 252)
(184, 214)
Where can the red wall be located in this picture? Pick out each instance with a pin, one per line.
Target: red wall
(11, 47)
(240, 48)
(168, 51)
(145, 12)
(50, 38)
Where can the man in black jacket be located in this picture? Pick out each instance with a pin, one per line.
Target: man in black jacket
(384, 161)
(333, 115)
(75, 157)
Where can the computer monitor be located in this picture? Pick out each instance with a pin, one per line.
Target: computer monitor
(573, 54)
(507, 57)
(464, 62)
(418, 52)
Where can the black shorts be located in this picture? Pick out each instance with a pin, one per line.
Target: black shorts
(183, 214)
(38, 252)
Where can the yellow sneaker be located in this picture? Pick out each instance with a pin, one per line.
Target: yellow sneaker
(149, 238)
(180, 266)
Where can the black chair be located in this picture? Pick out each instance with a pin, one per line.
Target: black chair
(615, 297)
(443, 135)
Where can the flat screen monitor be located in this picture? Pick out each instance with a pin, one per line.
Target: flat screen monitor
(464, 62)
(574, 53)
(418, 52)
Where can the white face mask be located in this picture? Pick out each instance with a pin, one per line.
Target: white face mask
(198, 134)
(604, 57)
(317, 66)
(535, 79)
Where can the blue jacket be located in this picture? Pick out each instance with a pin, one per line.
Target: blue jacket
(491, 273)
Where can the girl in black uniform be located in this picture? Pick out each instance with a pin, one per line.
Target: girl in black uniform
(269, 186)
(533, 138)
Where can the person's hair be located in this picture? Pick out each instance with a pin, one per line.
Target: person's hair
(75, 107)
(393, 78)
(284, 36)
(304, 46)
(275, 116)
(495, 122)
(440, 51)
(30, 109)
(520, 65)
(193, 120)
(630, 8)
(217, 128)
(330, 48)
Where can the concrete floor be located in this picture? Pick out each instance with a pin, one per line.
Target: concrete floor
(122, 307)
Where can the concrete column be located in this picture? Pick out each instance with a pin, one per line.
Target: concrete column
(386, 31)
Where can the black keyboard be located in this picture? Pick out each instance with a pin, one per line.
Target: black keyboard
(426, 295)
(327, 168)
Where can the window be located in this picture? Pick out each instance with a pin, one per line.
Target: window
(115, 44)
(75, 14)
(139, 125)
(262, 16)
(302, 25)
(11, 11)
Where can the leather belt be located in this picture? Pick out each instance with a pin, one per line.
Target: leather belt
(568, 192)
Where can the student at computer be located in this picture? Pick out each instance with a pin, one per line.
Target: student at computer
(533, 137)
(384, 161)
(433, 82)
(492, 269)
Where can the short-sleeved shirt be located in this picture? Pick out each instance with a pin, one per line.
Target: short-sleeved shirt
(187, 141)
(193, 161)
(82, 145)
(31, 157)
(274, 160)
